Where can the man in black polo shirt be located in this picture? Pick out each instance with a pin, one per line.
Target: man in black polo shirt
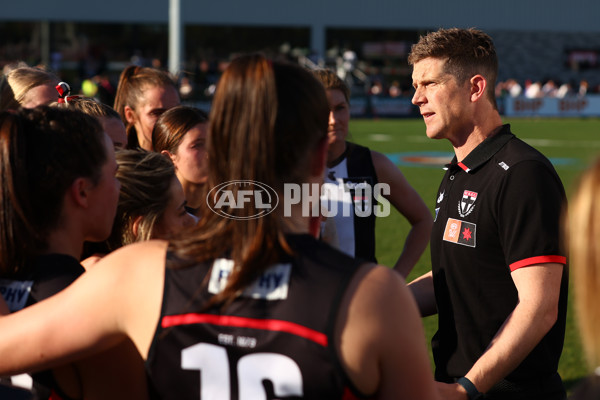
(499, 277)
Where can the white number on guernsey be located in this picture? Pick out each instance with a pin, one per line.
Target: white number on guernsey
(252, 369)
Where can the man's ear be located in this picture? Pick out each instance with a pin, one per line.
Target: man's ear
(319, 159)
(478, 86)
(80, 191)
(130, 115)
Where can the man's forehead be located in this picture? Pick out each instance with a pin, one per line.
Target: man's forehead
(428, 67)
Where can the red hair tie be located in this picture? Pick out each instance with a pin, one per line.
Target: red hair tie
(63, 90)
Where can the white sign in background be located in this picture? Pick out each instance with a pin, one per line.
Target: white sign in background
(588, 106)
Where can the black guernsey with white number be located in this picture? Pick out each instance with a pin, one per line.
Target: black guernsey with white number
(48, 275)
(496, 211)
(275, 341)
(348, 194)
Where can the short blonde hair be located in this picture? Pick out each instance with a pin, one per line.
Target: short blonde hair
(583, 233)
(18, 81)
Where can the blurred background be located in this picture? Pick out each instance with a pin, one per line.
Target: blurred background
(549, 51)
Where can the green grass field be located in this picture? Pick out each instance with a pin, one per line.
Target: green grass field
(571, 144)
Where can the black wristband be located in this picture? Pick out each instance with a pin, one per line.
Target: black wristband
(472, 392)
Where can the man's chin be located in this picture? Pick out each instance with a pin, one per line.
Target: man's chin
(433, 133)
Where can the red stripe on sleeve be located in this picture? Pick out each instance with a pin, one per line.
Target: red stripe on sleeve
(537, 260)
(240, 322)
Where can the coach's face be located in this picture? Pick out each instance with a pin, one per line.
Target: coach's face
(443, 103)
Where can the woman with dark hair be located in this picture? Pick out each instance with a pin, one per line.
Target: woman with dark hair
(58, 189)
(243, 307)
(180, 134)
(143, 94)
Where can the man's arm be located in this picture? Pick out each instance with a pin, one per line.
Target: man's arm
(422, 291)
(535, 314)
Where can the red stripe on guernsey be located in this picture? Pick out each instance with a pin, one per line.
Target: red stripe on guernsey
(464, 167)
(54, 396)
(240, 322)
(348, 395)
(538, 260)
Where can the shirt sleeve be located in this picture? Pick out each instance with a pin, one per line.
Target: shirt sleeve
(531, 203)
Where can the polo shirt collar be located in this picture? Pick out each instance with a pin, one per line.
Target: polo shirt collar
(484, 151)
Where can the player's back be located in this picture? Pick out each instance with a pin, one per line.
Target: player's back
(275, 340)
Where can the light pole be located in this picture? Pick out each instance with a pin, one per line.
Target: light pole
(175, 37)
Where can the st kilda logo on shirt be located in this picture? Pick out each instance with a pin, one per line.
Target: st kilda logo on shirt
(466, 205)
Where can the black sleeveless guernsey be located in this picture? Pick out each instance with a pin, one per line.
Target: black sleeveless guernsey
(274, 341)
(344, 192)
(49, 274)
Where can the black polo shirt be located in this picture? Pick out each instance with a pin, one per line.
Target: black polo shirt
(496, 211)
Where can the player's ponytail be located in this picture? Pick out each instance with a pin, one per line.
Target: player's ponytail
(266, 119)
(130, 91)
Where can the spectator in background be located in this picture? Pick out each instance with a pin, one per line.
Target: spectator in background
(180, 134)
(186, 89)
(533, 89)
(394, 90)
(582, 233)
(583, 88)
(143, 94)
(513, 88)
(27, 87)
(565, 90)
(549, 89)
(109, 119)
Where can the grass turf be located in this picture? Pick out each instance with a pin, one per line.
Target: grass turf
(571, 144)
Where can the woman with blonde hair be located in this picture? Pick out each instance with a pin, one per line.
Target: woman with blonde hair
(583, 231)
(27, 87)
(351, 164)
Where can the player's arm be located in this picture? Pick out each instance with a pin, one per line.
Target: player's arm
(94, 313)
(423, 293)
(381, 338)
(408, 202)
(535, 314)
